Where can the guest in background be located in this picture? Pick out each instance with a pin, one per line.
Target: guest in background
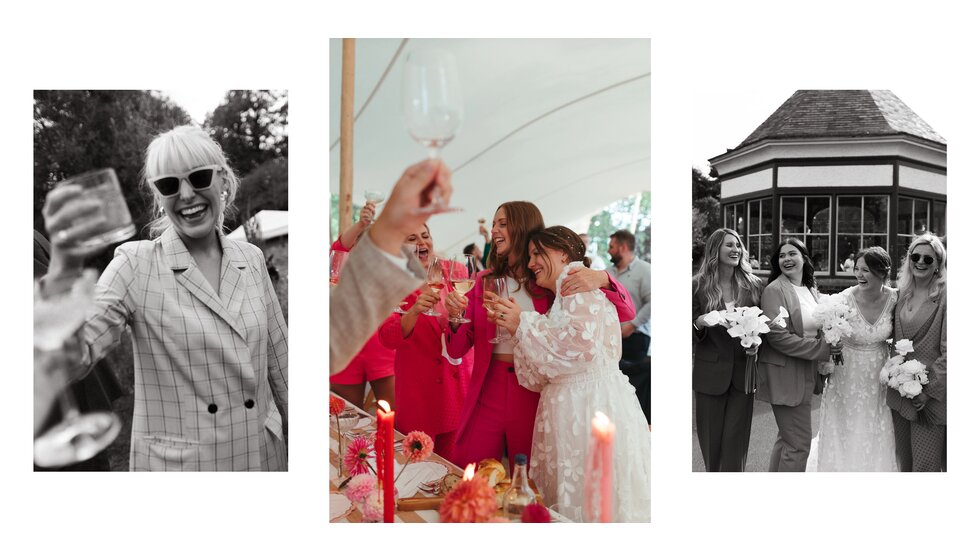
(722, 407)
(597, 263)
(634, 274)
(920, 422)
(788, 357)
(472, 249)
(486, 243)
(430, 387)
(375, 363)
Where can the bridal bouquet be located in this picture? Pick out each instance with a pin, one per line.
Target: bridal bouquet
(834, 316)
(747, 324)
(905, 376)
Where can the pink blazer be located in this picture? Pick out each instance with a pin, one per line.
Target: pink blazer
(476, 334)
(429, 391)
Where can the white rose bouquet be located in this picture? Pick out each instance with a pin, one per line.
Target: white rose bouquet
(747, 324)
(834, 317)
(905, 376)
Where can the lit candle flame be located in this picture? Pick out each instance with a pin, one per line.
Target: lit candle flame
(470, 470)
(383, 404)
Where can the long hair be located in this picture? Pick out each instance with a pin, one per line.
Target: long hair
(522, 218)
(808, 280)
(186, 147)
(559, 238)
(905, 280)
(708, 290)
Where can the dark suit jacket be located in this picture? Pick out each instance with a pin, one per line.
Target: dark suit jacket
(787, 359)
(927, 331)
(719, 359)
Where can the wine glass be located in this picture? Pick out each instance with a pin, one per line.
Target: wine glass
(377, 197)
(495, 285)
(337, 260)
(462, 275)
(432, 106)
(435, 279)
(402, 308)
(77, 437)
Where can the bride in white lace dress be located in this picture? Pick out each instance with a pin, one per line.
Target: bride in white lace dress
(856, 432)
(571, 355)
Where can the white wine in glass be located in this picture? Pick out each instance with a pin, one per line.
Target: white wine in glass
(462, 274)
(432, 106)
(435, 280)
(495, 285)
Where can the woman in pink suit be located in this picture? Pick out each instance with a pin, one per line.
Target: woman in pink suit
(375, 363)
(429, 385)
(498, 413)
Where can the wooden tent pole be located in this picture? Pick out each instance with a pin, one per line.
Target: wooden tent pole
(347, 136)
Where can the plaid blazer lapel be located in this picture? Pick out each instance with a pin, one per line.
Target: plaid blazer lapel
(190, 277)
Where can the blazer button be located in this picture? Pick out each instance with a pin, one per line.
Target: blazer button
(249, 403)
(212, 408)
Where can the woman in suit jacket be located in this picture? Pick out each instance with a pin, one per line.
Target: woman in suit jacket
(722, 409)
(788, 357)
(920, 316)
(497, 410)
(209, 336)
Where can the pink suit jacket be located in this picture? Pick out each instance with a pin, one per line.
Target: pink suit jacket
(476, 334)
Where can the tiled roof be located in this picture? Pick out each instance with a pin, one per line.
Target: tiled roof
(842, 113)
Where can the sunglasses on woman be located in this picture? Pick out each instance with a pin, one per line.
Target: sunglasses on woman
(200, 178)
(925, 258)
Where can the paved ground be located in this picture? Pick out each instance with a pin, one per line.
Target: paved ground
(762, 438)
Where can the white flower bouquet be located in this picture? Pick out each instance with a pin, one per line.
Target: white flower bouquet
(904, 375)
(834, 316)
(747, 324)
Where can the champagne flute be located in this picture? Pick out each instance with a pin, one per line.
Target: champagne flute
(432, 106)
(435, 279)
(77, 437)
(496, 285)
(462, 275)
(337, 260)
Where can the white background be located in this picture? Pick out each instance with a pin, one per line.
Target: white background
(779, 46)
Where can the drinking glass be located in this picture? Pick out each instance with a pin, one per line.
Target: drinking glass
(377, 197)
(77, 437)
(495, 285)
(462, 275)
(403, 307)
(435, 279)
(432, 106)
(337, 260)
(102, 186)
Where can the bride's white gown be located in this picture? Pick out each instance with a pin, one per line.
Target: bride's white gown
(856, 432)
(572, 357)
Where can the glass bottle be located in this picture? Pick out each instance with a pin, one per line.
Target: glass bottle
(519, 494)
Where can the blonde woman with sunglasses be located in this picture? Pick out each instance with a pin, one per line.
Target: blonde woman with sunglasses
(920, 316)
(209, 337)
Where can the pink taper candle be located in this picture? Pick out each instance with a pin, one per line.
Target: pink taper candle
(386, 469)
(603, 433)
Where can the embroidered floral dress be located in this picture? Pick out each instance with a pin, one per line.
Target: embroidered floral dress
(571, 355)
(856, 432)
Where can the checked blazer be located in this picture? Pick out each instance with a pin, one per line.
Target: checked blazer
(208, 365)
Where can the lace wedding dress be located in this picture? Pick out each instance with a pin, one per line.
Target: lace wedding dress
(856, 432)
(571, 355)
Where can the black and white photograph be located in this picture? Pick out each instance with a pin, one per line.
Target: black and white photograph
(160, 266)
(819, 288)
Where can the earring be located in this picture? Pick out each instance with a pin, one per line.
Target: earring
(224, 195)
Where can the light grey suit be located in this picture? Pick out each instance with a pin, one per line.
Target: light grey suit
(787, 376)
(370, 287)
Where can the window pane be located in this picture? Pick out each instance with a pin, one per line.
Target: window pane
(818, 214)
(904, 216)
(921, 217)
(898, 253)
(847, 246)
(765, 252)
(848, 215)
(754, 252)
(740, 220)
(730, 216)
(766, 209)
(753, 217)
(792, 218)
(939, 218)
(874, 241)
(876, 214)
(819, 247)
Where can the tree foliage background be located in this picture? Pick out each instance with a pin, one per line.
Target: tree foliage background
(631, 213)
(705, 211)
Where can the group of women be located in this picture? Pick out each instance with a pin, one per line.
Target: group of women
(533, 393)
(864, 425)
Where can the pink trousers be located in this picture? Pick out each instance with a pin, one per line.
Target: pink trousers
(503, 419)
